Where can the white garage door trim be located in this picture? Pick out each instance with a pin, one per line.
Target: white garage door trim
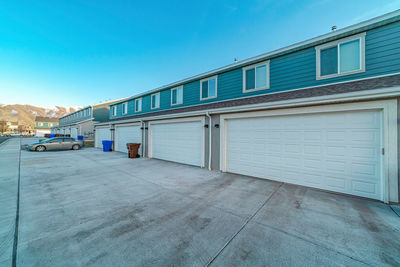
(183, 120)
(96, 139)
(128, 125)
(389, 135)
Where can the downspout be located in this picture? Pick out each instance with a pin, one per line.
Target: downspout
(209, 139)
(143, 137)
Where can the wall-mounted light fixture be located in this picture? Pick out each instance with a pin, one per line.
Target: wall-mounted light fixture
(205, 125)
(216, 125)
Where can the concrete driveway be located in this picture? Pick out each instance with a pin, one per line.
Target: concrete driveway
(92, 208)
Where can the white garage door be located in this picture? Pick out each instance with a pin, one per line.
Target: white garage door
(334, 151)
(102, 133)
(127, 134)
(74, 133)
(178, 141)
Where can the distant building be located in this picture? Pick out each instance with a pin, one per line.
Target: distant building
(12, 126)
(43, 125)
(81, 122)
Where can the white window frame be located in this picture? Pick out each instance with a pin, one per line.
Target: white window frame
(216, 87)
(176, 89)
(114, 111)
(141, 104)
(125, 104)
(254, 66)
(151, 100)
(337, 43)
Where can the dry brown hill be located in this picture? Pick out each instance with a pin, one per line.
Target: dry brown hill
(25, 114)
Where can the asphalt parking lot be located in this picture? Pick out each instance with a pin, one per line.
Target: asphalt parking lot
(88, 207)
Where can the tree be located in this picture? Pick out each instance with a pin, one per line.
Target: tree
(3, 126)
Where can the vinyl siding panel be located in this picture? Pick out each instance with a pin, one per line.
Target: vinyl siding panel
(294, 71)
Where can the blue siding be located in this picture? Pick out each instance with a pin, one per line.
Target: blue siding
(71, 119)
(293, 71)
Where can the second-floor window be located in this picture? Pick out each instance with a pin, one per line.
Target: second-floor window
(177, 96)
(155, 100)
(342, 57)
(208, 88)
(138, 105)
(256, 77)
(114, 110)
(125, 108)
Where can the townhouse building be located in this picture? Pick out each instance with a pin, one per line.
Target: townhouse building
(322, 113)
(81, 122)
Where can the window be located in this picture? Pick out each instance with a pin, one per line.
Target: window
(342, 57)
(138, 105)
(125, 108)
(155, 100)
(177, 96)
(114, 110)
(208, 88)
(256, 77)
(89, 110)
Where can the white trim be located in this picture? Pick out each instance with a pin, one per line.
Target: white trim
(124, 104)
(182, 120)
(159, 100)
(141, 104)
(389, 108)
(114, 110)
(176, 89)
(337, 44)
(352, 96)
(121, 126)
(254, 66)
(216, 88)
(284, 50)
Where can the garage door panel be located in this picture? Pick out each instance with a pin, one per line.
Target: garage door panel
(180, 142)
(103, 133)
(337, 151)
(127, 134)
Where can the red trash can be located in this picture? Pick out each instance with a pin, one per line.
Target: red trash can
(133, 149)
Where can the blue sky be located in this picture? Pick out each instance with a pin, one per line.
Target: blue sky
(71, 53)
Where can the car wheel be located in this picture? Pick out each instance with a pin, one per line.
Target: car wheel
(40, 148)
(76, 147)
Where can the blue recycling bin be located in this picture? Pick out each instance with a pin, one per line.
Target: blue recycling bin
(52, 135)
(107, 145)
(80, 137)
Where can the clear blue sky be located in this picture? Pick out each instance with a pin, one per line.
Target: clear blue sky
(72, 53)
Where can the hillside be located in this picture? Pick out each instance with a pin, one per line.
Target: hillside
(25, 114)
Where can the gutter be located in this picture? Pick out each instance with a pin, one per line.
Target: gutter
(210, 140)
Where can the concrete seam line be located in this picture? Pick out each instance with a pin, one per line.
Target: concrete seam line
(394, 210)
(243, 226)
(15, 245)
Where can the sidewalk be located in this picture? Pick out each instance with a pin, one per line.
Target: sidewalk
(9, 156)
